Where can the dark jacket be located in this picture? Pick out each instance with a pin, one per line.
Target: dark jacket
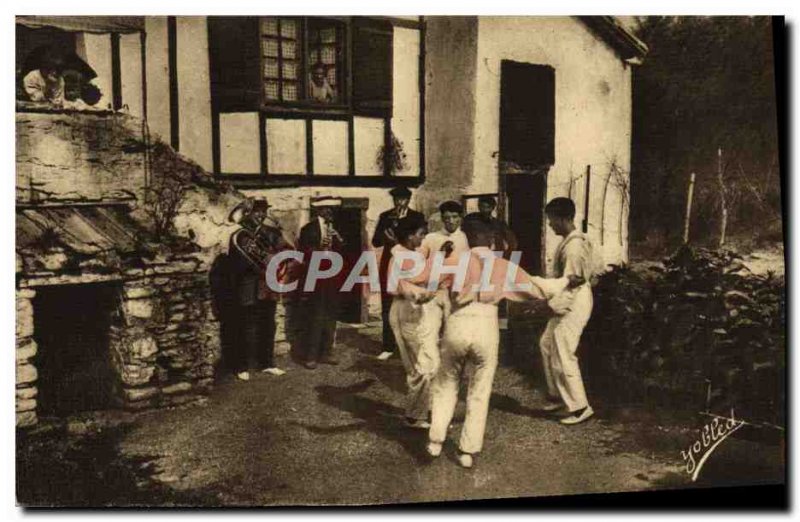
(311, 240)
(386, 221)
(244, 276)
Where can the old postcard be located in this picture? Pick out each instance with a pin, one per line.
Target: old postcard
(367, 260)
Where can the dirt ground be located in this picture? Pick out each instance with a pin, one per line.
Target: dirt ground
(766, 260)
(336, 436)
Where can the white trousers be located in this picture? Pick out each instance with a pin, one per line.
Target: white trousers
(559, 345)
(416, 330)
(469, 345)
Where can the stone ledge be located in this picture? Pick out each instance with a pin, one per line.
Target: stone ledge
(26, 293)
(34, 280)
(181, 387)
(139, 394)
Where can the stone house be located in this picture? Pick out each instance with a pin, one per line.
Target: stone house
(286, 108)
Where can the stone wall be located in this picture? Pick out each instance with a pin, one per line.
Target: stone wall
(78, 157)
(163, 341)
(166, 344)
(26, 390)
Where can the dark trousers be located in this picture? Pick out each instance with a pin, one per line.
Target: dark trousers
(389, 343)
(254, 335)
(321, 309)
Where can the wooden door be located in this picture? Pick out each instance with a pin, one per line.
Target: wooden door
(527, 151)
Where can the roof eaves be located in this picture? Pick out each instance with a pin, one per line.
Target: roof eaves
(628, 46)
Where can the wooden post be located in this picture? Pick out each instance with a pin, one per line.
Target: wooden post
(603, 206)
(723, 202)
(687, 218)
(586, 200)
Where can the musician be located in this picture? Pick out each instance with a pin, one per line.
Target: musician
(320, 234)
(386, 237)
(253, 314)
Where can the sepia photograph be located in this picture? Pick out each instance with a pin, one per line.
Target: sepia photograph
(399, 260)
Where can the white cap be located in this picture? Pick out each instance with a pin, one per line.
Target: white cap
(326, 202)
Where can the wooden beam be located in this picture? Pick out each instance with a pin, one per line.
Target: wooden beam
(116, 73)
(172, 45)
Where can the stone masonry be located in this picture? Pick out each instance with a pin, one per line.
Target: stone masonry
(25, 351)
(167, 341)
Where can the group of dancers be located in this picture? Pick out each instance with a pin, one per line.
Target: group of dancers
(443, 314)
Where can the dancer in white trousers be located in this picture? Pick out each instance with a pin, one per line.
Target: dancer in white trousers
(559, 343)
(471, 340)
(415, 316)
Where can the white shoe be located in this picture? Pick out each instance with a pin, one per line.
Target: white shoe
(274, 371)
(385, 356)
(576, 419)
(465, 459)
(418, 424)
(434, 449)
(243, 376)
(552, 406)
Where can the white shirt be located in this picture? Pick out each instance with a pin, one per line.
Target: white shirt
(38, 89)
(323, 93)
(433, 242)
(323, 227)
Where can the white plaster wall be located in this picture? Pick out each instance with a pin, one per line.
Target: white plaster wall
(593, 113)
(368, 134)
(157, 77)
(130, 58)
(98, 55)
(405, 96)
(194, 89)
(286, 149)
(330, 147)
(238, 139)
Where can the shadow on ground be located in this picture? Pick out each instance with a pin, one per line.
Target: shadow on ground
(89, 471)
(384, 420)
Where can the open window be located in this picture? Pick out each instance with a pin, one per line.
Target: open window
(78, 63)
(296, 63)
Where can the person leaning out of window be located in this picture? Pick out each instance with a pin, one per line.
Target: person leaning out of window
(46, 84)
(318, 88)
(67, 89)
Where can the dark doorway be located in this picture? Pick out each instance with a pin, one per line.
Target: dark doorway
(527, 151)
(72, 324)
(525, 201)
(350, 222)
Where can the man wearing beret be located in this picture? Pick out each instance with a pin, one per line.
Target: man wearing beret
(386, 237)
